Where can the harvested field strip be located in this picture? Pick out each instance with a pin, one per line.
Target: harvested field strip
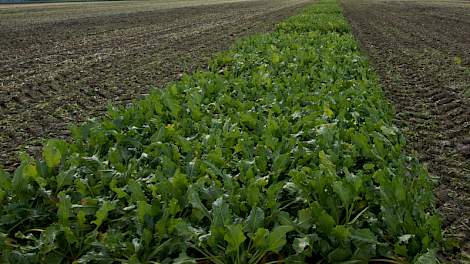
(284, 150)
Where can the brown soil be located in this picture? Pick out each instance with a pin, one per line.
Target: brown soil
(421, 50)
(63, 64)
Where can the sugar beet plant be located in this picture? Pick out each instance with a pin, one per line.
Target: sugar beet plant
(283, 151)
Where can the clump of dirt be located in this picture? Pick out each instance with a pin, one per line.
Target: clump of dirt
(421, 50)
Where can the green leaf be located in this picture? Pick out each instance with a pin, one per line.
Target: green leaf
(220, 213)
(259, 239)
(30, 170)
(171, 103)
(64, 178)
(102, 213)
(54, 258)
(119, 191)
(361, 140)
(363, 235)
(325, 161)
(277, 238)
(276, 58)
(344, 193)
(365, 242)
(341, 233)
(341, 255)
(328, 112)
(64, 208)
(234, 238)
(93, 256)
(305, 219)
(252, 194)
(184, 259)
(48, 239)
(136, 191)
(427, 258)
(5, 180)
(281, 162)
(173, 207)
(3, 195)
(81, 217)
(196, 202)
(433, 224)
(389, 131)
(405, 238)
(248, 119)
(143, 209)
(300, 244)
(255, 220)
(322, 219)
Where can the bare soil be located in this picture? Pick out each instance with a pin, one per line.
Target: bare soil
(421, 50)
(65, 63)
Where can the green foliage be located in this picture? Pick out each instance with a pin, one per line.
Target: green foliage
(283, 150)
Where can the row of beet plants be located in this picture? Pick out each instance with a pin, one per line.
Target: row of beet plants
(283, 151)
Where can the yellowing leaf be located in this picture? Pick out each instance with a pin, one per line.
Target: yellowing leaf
(30, 170)
(276, 58)
(51, 155)
(328, 112)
